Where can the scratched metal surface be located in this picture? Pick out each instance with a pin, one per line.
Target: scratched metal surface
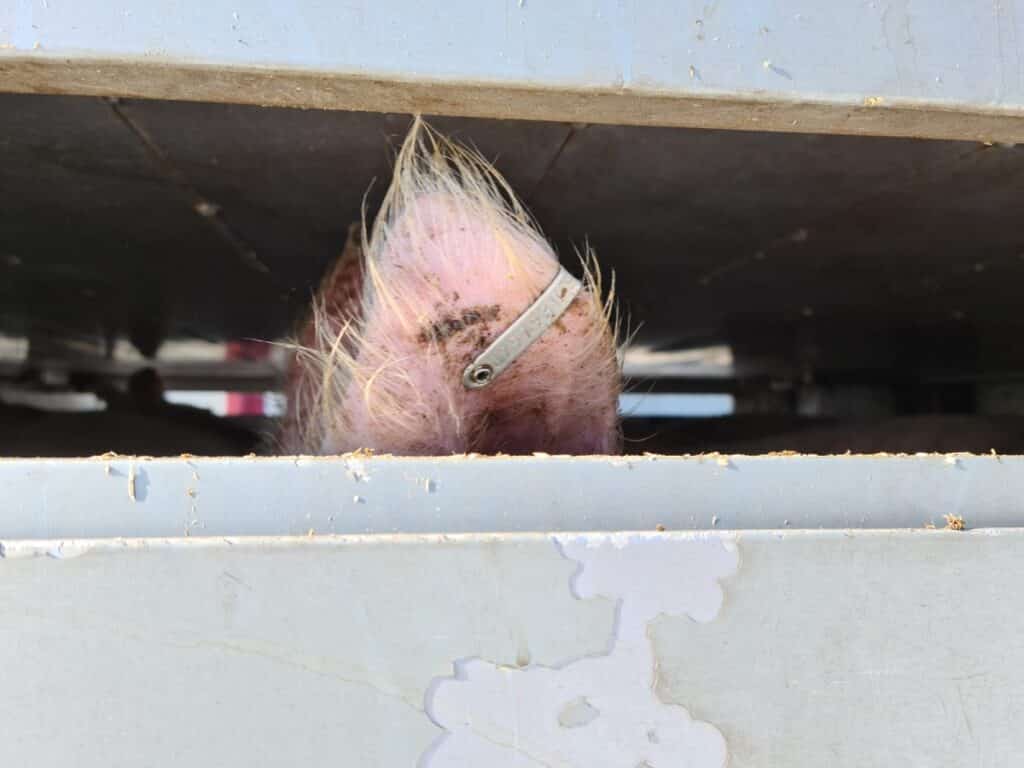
(965, 53)
(119, 496)
(845, 648)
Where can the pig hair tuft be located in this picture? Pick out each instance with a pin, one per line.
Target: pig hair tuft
(451, 259)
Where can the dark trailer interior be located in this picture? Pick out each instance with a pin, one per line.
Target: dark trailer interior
(786, 291)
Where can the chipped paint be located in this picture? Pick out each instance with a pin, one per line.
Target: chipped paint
(296, 650)
(288, 496)
(601, 710)
(131, 482)
(356, 469)
(852, 649)
(275, 651)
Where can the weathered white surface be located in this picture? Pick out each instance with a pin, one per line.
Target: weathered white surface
(121, 496)
(866, 650)
(846, 649)
(927, 49)
(302, 652)
(926, 53)
(600, 710)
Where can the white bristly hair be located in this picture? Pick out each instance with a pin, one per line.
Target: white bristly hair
(451, 260)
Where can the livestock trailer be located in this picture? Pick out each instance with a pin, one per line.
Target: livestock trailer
(813, 214)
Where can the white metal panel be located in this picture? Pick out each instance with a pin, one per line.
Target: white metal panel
(851, 649)
(663, 61)
(123, 496)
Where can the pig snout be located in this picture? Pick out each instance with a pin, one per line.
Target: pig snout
(452, 261)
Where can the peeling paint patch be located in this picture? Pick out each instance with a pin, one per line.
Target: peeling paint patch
(600, 710)
(55, 550)
(577, 713)
(356, 469)
(64, 550)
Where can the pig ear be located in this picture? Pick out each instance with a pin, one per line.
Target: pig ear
(341, 288)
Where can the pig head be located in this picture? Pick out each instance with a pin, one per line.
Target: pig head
(452, 260)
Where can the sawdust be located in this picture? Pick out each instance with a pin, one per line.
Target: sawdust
(954, 523)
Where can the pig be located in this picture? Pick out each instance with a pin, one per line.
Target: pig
(453, 259)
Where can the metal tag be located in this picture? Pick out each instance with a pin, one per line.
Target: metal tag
(526, 329)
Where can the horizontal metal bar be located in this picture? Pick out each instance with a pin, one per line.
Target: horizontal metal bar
(937, 70)
(120, 496)
(236, 375)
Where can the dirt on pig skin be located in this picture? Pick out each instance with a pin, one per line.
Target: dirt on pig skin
(451, 261)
